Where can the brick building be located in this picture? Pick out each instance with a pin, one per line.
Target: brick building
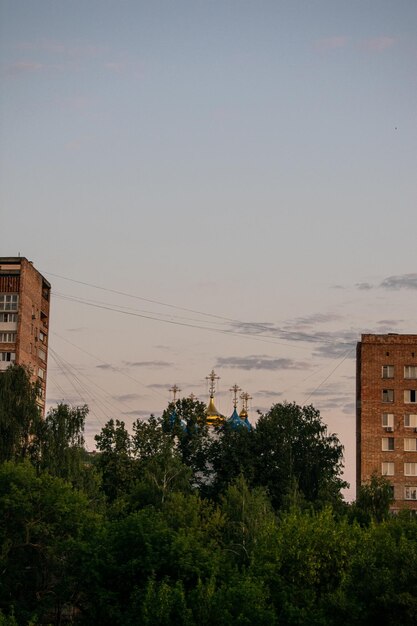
(24, 318)
(386, 413)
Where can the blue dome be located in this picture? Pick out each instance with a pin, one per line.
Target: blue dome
(173, 419)
(237, 422)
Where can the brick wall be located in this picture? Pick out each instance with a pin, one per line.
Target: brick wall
(374, 352)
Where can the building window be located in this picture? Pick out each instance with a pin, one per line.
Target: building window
(7, 337)
(8, 317)
(410, 371)
(410, 469)
(410, 421)
(42, 354)
(387, 371)
(410, 493)
(388, 395)
(42, 336)
(7, 356)
(410, 396)
(41, 373)
(8, 302)
(410, 445)
(388, 420)
(387, 443)
(388, 469)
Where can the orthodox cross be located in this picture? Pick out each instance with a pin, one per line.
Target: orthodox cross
(212, 378)
(235, 390)
(245, 399)
(174, 390)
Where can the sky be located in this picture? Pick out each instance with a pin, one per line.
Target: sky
(212, 184)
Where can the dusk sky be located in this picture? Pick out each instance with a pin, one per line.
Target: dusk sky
(227, 184)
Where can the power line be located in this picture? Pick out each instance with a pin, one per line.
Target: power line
(113, 367)
(129, 295)
(235, 333)
(327, 377)
(306, 337)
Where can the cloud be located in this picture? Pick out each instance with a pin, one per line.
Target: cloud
(75, 102)
(364, 286)
(337, 350)
(269, 394)
(254, 328)
(147, 363)
(114, 66)
(389, 323)
(158, 386)
(349, 408)
(76, 144)
(328, 344)
(23, 67)
(125, 397)
(379, 44)
(107, 366)
(56, 48)
(259, 362)
(138, 413)
(403, 281)
(316, 318)
(331, 43)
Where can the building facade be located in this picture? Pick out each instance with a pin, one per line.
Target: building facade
(386, 414)
(24, 319)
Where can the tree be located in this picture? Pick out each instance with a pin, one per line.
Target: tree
(373, 500)
(19, 413)
(60, 441)
(292, 444)
(232, 455)
(185, 421)
(249, 520)
(45, 530)
(115, 460)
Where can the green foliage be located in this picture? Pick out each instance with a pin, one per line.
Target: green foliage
(249, 520)
(7, 620)
(191, 436)
(373, 500)
(292, 445)
(232, 454)
(195, 527)
(149, 438)
(19, 413)
(115, 461)
(44, 525)
(159, 476)
(60, 440)
(165, 604)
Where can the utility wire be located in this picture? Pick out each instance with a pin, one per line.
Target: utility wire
(113, 367)
(235, 333)
(327, 377)
(308, 337)
(111, 402)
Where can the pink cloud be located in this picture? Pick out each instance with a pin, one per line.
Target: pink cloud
(332, 43)
(23, 67)
(73, 50)
(115, 67)
(378, 44)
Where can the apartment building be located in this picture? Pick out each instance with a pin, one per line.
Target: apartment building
(386, 413)
(24, 318)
